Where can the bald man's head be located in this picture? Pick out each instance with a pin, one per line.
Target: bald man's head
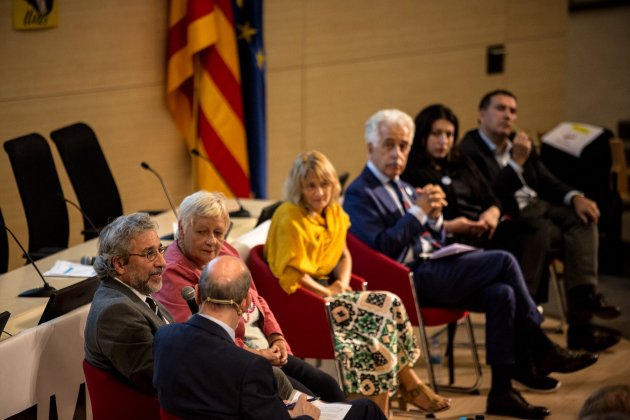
(225, 278)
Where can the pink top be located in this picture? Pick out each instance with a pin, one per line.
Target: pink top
(181, 272)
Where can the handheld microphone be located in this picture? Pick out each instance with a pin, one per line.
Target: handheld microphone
(242, 211)
(44, 291)
(168, 195)
(85, 216)
(188, 293)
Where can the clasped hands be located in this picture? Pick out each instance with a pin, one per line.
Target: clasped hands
(277, 353)
(431, 199)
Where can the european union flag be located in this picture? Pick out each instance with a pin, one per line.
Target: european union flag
(249, 30)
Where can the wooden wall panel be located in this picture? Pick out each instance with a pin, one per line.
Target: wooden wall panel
(97, 45)
(284, 126)
(284, 33)
(536, 18)
(536, 72)
(355, 30)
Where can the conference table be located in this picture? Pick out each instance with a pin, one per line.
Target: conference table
(41, 361)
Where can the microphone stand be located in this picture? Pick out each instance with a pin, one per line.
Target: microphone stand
(168, 195)
(242, 211)
(46, 290)
(85, 216)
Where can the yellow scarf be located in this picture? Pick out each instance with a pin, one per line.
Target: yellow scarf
(299, 242)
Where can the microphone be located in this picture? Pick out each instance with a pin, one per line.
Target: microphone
(242, 211)
(188, 293)
(44, 291)
(87, 260)
(85, 216)
(168, 196)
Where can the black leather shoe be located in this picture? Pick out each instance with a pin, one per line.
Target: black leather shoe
(512, 404)
(534, 383)
(595, 304)
(562, 360)
(592, 338)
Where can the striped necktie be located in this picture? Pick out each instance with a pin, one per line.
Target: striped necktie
(404, 204)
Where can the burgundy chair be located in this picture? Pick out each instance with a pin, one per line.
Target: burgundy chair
(383, 273)
(112, 398)
(165, 415)
(301, 315)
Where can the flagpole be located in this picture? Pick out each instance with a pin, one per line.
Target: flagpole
(195, 115)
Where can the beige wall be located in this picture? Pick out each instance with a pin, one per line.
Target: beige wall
(331, 64)
(598, 71)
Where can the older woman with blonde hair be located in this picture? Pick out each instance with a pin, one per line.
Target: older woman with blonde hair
(202, 225)
(306, 247)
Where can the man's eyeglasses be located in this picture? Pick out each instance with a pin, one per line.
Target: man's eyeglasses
(151, 254)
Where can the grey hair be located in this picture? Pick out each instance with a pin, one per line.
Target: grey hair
(313, 162)
(114, 239)
(203, 203)
(236, 289)
(390, 117)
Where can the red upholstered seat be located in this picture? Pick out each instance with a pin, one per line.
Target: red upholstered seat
(383, 273)
(301, 315)
(112, 398)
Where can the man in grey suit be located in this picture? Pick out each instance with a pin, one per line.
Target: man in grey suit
(124, 318)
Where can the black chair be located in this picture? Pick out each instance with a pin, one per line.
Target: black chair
(4, 247)
(90, 176)
(41, 194)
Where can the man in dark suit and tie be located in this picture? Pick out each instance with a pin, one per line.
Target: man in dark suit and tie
(123, 317)
(533, 197)
(407, 225)
(201, 373)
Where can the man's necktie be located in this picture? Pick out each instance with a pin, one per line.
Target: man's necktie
(154, 307)
(399, 193)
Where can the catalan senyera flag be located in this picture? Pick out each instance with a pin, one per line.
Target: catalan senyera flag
(204, 92)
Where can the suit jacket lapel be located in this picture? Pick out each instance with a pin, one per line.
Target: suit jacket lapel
(381, 193)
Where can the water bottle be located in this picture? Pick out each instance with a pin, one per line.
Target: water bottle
(435, 355)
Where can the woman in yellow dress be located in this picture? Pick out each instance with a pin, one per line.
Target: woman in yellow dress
(306, 247)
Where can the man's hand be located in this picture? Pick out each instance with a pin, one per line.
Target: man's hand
(304, 408)
(521, 148)
(431, 199)
(585, 209)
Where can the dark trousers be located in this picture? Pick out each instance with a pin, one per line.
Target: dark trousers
(490, 282)
(312, 381)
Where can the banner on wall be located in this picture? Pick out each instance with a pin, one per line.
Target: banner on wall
(34, 14)
(205, 93)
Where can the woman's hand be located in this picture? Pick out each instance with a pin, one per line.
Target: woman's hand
(280, 346)
(336, 288)
(491, 218)
(272, 355)
(464, 226)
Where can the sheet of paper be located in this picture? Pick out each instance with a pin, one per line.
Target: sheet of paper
(69, 269)
(332, 411)
(452, 249)
(572, 138)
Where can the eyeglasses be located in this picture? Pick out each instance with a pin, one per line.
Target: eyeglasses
(151, 254)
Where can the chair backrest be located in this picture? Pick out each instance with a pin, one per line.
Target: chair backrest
(112, 398)
(302, 315)
(165, 415)
(4, 246)
(383, 273)
(89, 174)
(41, 194)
